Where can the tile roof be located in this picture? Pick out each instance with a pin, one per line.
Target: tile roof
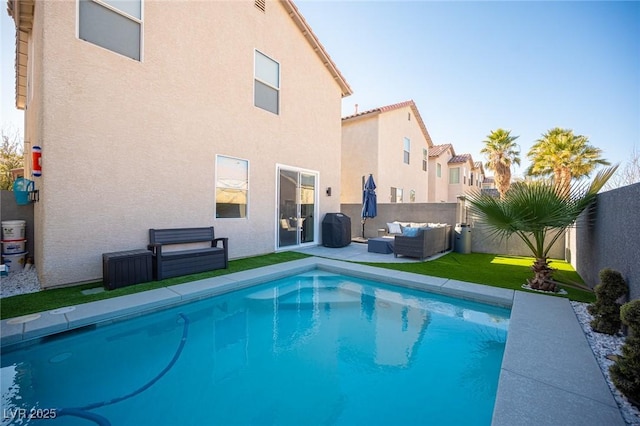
(479, 165)
(411, 104)
(438, 150)
(462, 158)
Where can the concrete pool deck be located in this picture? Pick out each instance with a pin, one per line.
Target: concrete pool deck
(549, 375)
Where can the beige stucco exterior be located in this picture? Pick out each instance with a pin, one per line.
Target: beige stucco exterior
(441, 188)
(131, 145)
(465, 164)
(373, 143)
(439, 181)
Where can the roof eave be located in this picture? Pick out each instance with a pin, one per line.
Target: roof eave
(22, 13)
(299, 20)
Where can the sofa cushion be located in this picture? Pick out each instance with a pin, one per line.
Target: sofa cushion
(410, 232)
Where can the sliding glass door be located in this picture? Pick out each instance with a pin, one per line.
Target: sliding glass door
(296, 206)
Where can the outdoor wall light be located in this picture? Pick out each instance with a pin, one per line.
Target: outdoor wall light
(329, 192)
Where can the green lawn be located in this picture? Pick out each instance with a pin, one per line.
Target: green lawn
(500, 271)
(495, 270)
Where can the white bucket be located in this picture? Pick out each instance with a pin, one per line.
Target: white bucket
(13, 230)
(13, 247)
(14, 261)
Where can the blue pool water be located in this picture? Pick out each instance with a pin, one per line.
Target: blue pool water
(316, 348)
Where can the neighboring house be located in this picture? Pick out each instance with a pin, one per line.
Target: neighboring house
(392, 143)
(477, 175)
(460, 176)
(439, 156)
(155, 114)
(489, 183)
(452, 175)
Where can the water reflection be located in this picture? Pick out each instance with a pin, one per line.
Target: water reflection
(322, 344)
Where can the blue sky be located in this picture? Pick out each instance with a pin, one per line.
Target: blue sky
(10, 117)
(472, 67)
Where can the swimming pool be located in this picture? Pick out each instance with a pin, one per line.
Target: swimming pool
(310, 349)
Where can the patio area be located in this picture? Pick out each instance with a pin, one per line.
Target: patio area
(357, 252)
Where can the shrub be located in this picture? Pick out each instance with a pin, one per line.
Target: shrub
(625, 373)
(606, 309)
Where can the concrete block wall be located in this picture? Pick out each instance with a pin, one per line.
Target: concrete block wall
(608, 236)
(403, 212)
(482, 241)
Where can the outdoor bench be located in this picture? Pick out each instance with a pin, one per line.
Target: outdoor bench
(186, 259)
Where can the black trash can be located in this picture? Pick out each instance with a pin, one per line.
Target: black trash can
(336, 230)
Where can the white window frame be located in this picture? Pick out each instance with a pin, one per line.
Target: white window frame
(425, 159)
(396, 195)
(316, 213)
(216, 186)
(451, 180)
(255, 78)
(406, 150)
(112, 8)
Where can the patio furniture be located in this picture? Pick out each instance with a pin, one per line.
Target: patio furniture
(426, 242)
(168, 264)
(124, 268)
(380, 245)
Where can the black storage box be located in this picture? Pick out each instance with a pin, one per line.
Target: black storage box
(336, 230)
(124, 268)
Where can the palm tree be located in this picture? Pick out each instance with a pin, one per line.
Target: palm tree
(565, 156)
(501, 152)
(538, 214)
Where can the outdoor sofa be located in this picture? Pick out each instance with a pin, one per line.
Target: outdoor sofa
(421, 241)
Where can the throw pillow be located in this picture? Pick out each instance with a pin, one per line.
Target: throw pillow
(394, 228)
(410, 232)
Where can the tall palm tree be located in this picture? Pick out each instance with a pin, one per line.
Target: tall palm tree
(501, 152)
(538, 214)
(565, 156)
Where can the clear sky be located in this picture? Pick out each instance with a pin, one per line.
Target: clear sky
(11, 119)
(472, 67)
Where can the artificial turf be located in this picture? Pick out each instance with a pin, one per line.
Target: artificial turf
(495, 270)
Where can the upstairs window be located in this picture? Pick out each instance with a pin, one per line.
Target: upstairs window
(407, 150)
(425, 159)
(232, 187)
(266, 93)
(115, 25)
(438, 170)
(454, 175)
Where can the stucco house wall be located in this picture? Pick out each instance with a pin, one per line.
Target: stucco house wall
(131, 145)
(360, 155)
(439, 186)
(465, 164)
(373, 143)
(395, 125)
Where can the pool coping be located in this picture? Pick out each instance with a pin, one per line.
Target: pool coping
(549, 374)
